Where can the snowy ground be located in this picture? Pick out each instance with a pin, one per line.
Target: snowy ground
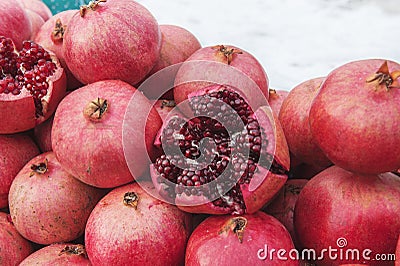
(294, 40)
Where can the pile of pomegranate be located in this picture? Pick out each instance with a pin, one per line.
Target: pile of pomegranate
(125, 142)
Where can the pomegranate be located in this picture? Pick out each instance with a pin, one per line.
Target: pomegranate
(192, 75)
(128, 225)
(87, 133)
(282, 206)
(15, 23)
(36, 22)
(294, 117)
(58, 254)
(239, 240)
(42, 135)
(39, 7)
(48, 205)
(16, 150)
(51, 36)
(13, 247)
(124, 41)
(163, 107)
(32, 83)
(228, 158)
(354, 117)
(275, 99)
(345, 211)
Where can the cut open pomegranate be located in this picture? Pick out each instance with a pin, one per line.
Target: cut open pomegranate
(228, 158)
(32, 83)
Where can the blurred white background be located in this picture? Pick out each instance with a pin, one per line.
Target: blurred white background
(294, 40)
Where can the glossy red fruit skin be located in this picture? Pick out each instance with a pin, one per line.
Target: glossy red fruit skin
(14, 21)
(55, 254)
(275, 100)
(245, 63)
(209, 246)
(13, 247)
(36, 22)
(39, 7)
(294, 117)
(16, 150)
(339, 204)
(282, 206)
(355, 121)
(50, 207)
(46, 39)
(87, 149)
(155, 233)
(126, 47)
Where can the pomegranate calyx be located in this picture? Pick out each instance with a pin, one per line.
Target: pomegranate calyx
(92, 6)
(384, 77)
(40, 168)
(237, 225)
(228, 53)
(58, 31)
(168, 103)
(131, 199)
(96, 109)
(77, 249)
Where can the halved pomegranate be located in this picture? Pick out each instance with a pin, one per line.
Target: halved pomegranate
(32, 83)
(231, 157)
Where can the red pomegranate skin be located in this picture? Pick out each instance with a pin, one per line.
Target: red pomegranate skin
(339, 204)
(37, 6)
(87, 149)
(397, 261)
(177, 45)
(355, 120)
(275, 99)
(52, 206)
(13, 247)
(282, 206)
(47, 38)
(153, 233)
(294, 117)
(211, 244)
(42, 135)
(60, 254)
(126, 47)
(16, 150)
(36, 22)
(244, 62)
(14, 21)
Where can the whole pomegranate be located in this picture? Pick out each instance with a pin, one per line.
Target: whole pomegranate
(47, 204)
(239, 240)
(32, 83)
(275, 99)
(87, 134)
(51, 37)
(345, 211)
(129, 226)
(15, 23)
(60, 254)
(192, 75)
(36, 22)
(16, 150)
(112, 39)
(231, 157)
(13, 247)
(354, 117)
(42, 135)
(282, 206)
(294, 118)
